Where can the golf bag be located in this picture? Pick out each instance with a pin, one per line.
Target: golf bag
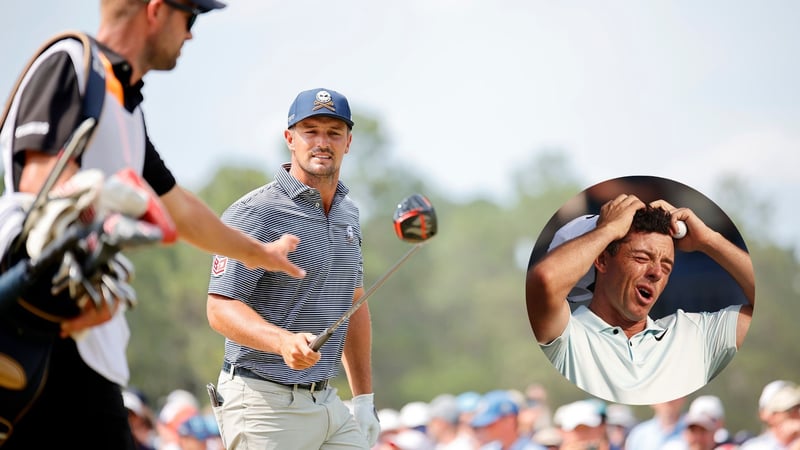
(28, 329)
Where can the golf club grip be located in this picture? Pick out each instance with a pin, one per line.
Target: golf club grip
(321, 339)
(25, 272)
(73, 148)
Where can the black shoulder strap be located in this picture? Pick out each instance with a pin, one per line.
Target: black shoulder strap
(95, 87)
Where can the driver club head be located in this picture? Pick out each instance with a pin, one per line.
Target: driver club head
(415, 219)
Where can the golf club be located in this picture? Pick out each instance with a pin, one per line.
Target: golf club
(414, 221)
(73, 148)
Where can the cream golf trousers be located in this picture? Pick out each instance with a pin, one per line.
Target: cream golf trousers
(260, 415)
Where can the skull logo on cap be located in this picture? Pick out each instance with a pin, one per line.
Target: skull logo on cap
(323, 97)
(323, 100)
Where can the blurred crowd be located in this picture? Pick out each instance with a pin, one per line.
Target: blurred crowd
(514, 420)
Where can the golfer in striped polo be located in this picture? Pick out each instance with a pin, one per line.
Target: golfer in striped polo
(273, 389)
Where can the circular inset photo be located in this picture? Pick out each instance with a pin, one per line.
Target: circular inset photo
(640, 290)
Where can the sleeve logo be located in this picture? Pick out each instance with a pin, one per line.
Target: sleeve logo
(219, 265)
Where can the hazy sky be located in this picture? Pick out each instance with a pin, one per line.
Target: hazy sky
(470, 89)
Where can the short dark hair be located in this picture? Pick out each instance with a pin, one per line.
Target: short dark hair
(646, 220)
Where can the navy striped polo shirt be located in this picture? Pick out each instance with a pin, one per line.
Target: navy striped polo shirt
(330, 253)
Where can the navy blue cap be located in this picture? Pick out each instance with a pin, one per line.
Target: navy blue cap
(493, 406)
(319, 102)
(208, 5)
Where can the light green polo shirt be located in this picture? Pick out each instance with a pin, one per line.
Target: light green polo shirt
(673, 357)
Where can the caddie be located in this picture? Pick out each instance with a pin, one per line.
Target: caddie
(84, 372)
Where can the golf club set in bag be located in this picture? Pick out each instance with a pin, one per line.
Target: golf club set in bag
(80, 227)
(61, 249)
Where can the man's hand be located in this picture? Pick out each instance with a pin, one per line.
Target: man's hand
(698, 234)
(296, 352)
(366, 417)
(274, 256)
(90, 316)
(617, 214)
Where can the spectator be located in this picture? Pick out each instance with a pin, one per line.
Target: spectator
(712, 406)
(390, 426)
(619, 422)
(548, 437)
(467, 402)
(179, 406)
(410, 439)
(781, 414)
(495, 423)
(698, 433)
(766, 438)
(443, 424)
(582, 426)
(415, 416)
(194, 433)
(666, 424)
(140, 418)
(534, 413)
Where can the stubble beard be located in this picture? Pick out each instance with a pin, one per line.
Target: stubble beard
(318, 174)
(160, 57)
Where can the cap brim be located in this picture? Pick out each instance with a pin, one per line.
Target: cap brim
(321, 114)
(207, 5)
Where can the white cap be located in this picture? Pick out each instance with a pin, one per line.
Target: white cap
(710, 405)
(180, 404)
(572, 229)
(582, 412)
(414, 414)
(620, 415)
(548, 437)
(784, 399)
(389, 418)
(411, 440)
(769, 390)
(702, 419)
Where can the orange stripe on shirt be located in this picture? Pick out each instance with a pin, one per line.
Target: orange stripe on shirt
(112, 83)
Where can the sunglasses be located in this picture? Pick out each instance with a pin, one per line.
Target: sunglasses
(194, 12)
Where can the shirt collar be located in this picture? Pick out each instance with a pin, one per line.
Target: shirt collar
(132, 93)
(295, 188)
(595, 323)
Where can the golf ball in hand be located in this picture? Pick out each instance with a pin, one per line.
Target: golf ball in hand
(681, 230)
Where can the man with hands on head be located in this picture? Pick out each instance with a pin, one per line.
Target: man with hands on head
(612, 348)
(273, 389)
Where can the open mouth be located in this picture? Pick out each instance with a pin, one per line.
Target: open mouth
(645, 292)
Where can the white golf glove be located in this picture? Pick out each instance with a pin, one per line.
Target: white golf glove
(366, 417)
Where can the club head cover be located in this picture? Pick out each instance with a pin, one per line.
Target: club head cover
(72, 200)
(123, 197)
(155, 213)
